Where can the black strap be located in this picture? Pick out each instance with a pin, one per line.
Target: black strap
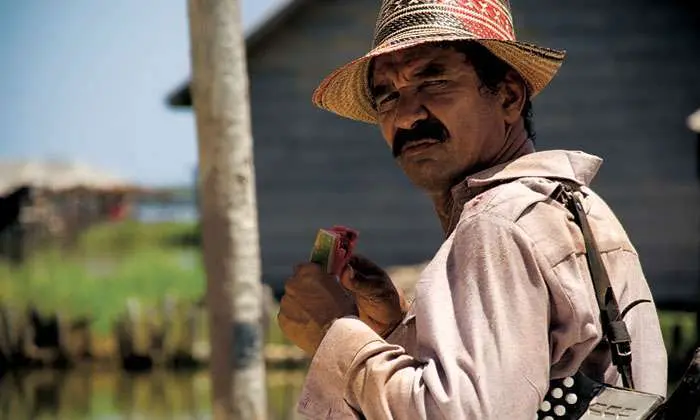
(614, 328)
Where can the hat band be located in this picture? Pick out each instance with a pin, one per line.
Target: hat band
(424, 33)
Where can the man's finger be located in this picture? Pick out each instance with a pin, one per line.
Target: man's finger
(308, 268)
(346, 277)
(370, 286)
(366, 266)
(289, 308)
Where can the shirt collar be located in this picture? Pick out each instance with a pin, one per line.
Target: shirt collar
(574, 166)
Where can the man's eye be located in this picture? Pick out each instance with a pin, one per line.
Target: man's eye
(387, 100)
(433, 83)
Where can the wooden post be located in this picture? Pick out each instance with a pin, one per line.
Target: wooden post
(228, 205)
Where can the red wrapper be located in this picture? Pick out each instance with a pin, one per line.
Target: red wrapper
(347, 238)
(333, 248)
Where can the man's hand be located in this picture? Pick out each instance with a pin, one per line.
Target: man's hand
(312, 301)
(379, 303)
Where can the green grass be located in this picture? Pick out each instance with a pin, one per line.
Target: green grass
(111, 264)
(132, 235)
(685, 322)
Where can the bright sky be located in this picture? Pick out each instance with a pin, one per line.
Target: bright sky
(86, 80)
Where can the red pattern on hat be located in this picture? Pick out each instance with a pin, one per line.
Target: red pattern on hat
(487, 13)
(488, 19)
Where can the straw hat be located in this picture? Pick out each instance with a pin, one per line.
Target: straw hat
(406, 23)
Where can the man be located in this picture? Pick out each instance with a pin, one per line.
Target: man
(507, 302)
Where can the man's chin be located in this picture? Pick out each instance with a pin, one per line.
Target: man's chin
(430, 181)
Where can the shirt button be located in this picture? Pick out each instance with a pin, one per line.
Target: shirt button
(545, 406)
(557, 393)
(571, 398)
(559, 410)
(569, 382)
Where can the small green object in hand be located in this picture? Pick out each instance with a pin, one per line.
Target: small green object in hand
(323, 250)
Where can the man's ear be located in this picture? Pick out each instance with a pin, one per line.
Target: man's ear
(513, 96)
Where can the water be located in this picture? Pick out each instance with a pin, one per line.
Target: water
(185, 211)
(112, 394)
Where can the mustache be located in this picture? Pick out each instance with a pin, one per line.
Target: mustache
(430, 128)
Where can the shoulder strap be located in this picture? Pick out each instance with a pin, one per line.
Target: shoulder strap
(614, 327)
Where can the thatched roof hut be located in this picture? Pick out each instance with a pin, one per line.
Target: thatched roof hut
(57, 176)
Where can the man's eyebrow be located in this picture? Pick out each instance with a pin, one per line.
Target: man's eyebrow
(431, 69)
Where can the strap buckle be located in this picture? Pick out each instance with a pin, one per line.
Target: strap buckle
(623, 350)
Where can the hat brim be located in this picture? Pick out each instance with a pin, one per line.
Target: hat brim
(345, 91)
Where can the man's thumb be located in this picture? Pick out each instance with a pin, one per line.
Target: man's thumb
(347, 278)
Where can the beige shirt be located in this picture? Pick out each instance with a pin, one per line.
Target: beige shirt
(505, 305)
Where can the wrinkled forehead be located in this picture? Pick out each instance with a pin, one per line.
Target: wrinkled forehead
(412, 60)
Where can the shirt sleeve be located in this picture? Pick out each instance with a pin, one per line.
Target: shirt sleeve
(483, 339)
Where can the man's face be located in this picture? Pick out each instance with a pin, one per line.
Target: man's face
(435, 115)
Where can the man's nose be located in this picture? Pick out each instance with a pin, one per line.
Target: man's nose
(409, 111)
